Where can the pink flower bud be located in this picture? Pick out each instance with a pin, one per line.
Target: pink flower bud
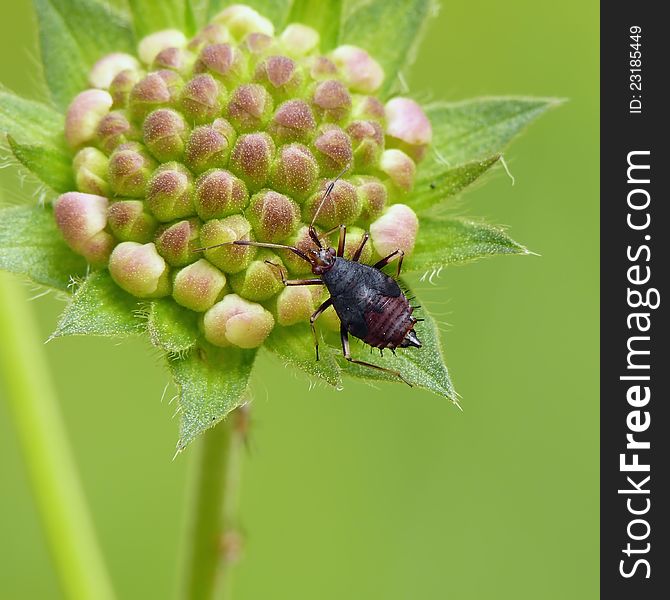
(140, 270)
(178, 243)
(113, 130)
(130, 222)
(130, 167)
(368, 108)
(156, 90)
(80, 217)
(321, 68)
(210, 146)
(90, 171)
(229, 258)
(252, 158)
(293, 122)
(258, 45)
(241, 20)
(372, 194)
(108, 67)
(367, 139)
(210, 34)
(198, 286)
(175, 59)
(235, 321)
(408, 127)
(152, 44)
(169, 193)
(83, 116)
(399, 167)
(260, 280)
(331, 101)
(122, 85)
(302, 241)
(250, 107)
(295, 171)
(395, 230)
(299, 40)
(219, 193)
(272, 215)
(332, 149)
(353, 241)
(295, 304)
(341, 207)
(360, 71)
(165, 134)
(223, 61)
(202, 99)
(280, 75)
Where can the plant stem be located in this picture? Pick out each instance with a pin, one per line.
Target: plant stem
(212, 541)
(41, 432)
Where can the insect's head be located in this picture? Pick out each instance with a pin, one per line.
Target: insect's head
(321, 259)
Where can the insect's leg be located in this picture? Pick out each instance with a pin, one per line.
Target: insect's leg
(312, 281)
(342, 239)
(315, 315)
(390, 258)
(345, 350)
(359, 250)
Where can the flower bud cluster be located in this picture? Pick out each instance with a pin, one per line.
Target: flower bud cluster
(236, 134)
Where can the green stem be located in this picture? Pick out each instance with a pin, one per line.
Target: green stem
(212, 541)
(41, 432)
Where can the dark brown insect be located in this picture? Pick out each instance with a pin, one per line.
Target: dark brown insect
(369, 303)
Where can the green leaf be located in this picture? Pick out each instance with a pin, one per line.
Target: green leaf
(430, 192)
(295, 346)
(52, 167)
(171, 327)
(390, 30)
(212, 382)
(446, 241)
(152, 15)
(421, 367)
(30, 122)
(476, 129)
(32, 245)
(325, 17)
(100, 307)
(73, 34)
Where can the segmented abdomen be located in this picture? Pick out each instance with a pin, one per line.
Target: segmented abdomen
(388, 320)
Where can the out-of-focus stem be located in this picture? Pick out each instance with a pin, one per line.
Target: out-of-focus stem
(41, 432)
(213, 542)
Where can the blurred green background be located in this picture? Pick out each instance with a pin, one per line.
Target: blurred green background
(381, 492)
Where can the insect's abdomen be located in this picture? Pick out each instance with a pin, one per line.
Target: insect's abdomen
(388, 322)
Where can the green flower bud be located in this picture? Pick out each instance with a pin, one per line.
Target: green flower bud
(302, 241)
(151, 45)
(156, 90)
(108, 67)
(202, 99)
(130, 167)
(353, 241)
(178, 243)
(281, 76)
(129, 221)
(175, 59)
(321, 68)
(235, 321)
(250, 107)
(295, 171)
(213, 33)
(258, 46)
(295, 304)
(293, 122)
(165, 134)
(395, 230)
(367, 108)
(252, 158)
(209, 146)
(299, 40)
(332, 149)
(360, 71)
(408, 127)
(122, 85)
(259, 281)
(84, 114)
(229, 258)
(82, 219)
(198, 286)
(272, 215)
(224, 62)
(331, 101)
(367, 139)
(140, 270)
(341, 207)
(90, 171)
(114, 130)
(219, 193)
(241, 20)
(399, 167)
(372, 194)
(169, 192)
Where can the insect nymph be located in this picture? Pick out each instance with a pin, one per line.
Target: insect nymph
(369, 303)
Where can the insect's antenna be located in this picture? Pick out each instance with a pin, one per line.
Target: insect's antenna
(329, 189)
(293, 249)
